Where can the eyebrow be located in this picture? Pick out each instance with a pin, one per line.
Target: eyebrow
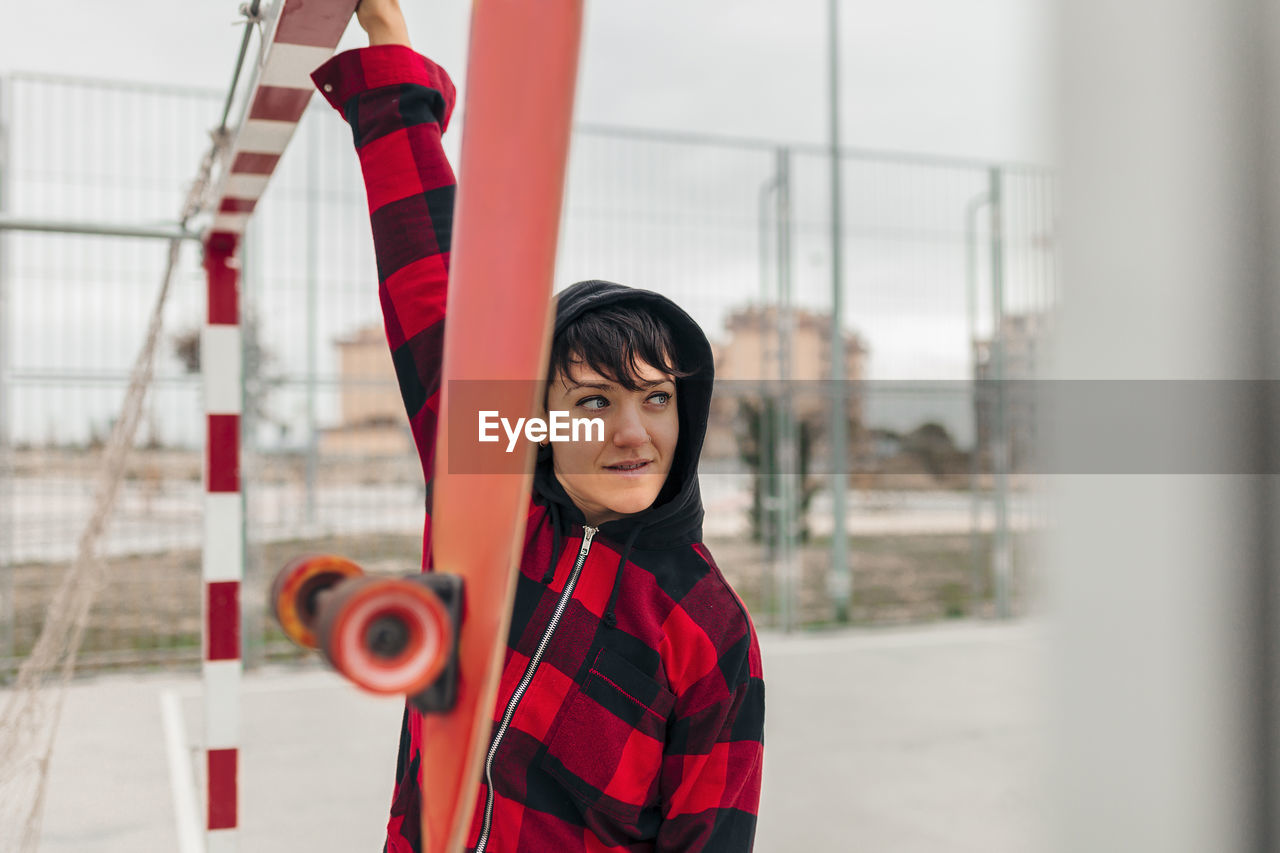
(606, 386)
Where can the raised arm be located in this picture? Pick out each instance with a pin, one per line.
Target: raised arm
(383, 21)
(398, 104)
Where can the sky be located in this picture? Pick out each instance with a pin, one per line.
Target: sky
(961, 78)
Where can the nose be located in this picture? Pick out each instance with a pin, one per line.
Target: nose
(629, 430)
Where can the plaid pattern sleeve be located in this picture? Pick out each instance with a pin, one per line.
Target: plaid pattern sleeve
(398, 104)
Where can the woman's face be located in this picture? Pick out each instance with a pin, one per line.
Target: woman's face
(640, 428)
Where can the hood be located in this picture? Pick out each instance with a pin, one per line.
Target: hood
(675, 517)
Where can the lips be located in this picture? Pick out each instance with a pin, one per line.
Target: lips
(630, 465)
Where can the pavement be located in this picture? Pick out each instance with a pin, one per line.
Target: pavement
(903, 740)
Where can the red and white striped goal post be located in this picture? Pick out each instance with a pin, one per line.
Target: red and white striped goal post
(298, 36)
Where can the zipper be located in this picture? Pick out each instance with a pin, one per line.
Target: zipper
(588, 534)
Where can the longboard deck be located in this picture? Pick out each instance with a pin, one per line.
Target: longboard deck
(519, 101)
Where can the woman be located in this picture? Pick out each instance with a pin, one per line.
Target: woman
(640, 723)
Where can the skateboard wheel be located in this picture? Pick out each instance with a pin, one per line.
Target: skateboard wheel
(387, 635)
(295, 593)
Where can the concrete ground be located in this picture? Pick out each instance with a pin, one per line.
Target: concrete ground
(903, 740)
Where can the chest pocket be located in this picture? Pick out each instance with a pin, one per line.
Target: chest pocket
(606, 747)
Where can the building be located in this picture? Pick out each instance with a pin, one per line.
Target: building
(750, 355)
(1025, 341)
(372, 419)
(751, 351)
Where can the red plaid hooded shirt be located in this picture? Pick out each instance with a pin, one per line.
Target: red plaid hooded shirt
(640, 726)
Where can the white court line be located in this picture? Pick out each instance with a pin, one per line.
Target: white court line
(288, 682)
(181, 778)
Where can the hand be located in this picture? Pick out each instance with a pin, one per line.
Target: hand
(383, 21)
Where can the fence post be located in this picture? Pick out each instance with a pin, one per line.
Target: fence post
(785, 429)
(252, 393)
(977, 585)
(765, 473)
(1001, 551)
(840, 581)
(312, 283)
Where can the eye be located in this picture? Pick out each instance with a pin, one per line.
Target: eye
(586, 400)
(665, 395)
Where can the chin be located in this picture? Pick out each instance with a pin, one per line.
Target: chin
(631, 504)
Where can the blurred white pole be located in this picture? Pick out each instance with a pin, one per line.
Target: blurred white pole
(1163, 660)
(100, 229)
(7, 467)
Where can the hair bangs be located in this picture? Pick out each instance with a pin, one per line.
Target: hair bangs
(614, 341)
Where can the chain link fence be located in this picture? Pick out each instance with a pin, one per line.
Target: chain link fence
(939, 255)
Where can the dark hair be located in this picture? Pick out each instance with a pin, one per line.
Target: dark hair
(613, 340)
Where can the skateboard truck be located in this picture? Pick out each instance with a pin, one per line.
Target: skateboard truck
(440, 695)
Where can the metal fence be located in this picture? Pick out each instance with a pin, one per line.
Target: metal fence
(736, 231)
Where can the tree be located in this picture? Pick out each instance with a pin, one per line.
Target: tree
(258, 366)
(758, 448)
(933, 446)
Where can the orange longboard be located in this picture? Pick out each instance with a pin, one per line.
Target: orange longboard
(400, 635)
(520, 79)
